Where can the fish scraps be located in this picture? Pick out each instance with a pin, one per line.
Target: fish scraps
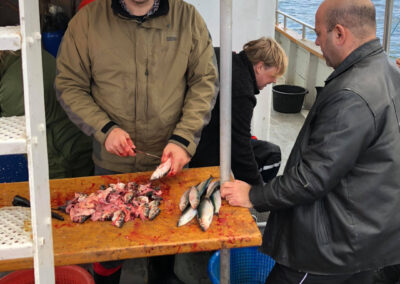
(118, 203)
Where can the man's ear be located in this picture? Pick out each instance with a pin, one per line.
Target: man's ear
(340, 34)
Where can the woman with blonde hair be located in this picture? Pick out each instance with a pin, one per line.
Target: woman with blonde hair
(260, 63)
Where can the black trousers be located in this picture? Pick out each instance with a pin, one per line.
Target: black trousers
(284, 275)
(268, 158)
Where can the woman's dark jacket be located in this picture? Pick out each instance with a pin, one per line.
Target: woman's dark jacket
(244, 88)
(336, 208)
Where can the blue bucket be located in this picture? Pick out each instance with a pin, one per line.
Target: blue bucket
(51, 41)
(248, 265)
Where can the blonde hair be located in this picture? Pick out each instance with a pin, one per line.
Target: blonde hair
(268, 51)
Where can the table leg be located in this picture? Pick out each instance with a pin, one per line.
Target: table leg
(225, 266)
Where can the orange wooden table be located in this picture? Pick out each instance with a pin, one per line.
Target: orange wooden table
(101, 241)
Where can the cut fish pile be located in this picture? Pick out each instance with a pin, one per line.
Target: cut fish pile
(118, 203)
(203, 201)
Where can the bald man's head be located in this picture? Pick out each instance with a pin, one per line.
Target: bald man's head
(356, 15)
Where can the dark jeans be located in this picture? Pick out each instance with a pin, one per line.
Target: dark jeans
(284, 275)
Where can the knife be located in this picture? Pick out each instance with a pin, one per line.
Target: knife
(23, 202)
(145, 153)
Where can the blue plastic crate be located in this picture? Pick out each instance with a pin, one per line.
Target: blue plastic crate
(248, 265)
(13, 168)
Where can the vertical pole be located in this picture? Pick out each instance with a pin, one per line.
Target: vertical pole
(284, 22)
(225, 110)
(36, 141)
(387, 26)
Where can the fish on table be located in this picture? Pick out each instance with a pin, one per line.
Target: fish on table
(203, 201)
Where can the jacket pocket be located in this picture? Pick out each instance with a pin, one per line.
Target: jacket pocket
(322, 223)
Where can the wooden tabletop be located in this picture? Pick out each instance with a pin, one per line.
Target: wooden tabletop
(101, 241)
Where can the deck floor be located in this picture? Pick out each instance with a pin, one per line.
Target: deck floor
(284, 130)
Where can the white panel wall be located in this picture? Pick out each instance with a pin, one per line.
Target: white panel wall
(251, 20)
(305, 69)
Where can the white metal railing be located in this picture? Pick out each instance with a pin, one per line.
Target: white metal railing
(387, 25)
(286, 16)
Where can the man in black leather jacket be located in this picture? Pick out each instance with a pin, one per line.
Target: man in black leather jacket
(335, 211)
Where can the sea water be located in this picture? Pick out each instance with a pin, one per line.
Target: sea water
(305, 12)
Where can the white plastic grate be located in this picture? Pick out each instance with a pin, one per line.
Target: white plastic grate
(15, 232)
(10, 38)
(12, 135)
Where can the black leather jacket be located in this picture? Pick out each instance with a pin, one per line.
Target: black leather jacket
(336, 208)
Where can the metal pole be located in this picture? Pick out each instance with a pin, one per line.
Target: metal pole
(388, 25)
(225, 110)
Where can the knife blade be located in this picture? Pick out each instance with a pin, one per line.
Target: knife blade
(145, 153)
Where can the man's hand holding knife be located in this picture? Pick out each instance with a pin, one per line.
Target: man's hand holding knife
(118, 142)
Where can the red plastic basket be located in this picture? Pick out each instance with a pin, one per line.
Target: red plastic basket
(71, 274)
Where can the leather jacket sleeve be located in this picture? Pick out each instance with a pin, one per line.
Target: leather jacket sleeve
(337, 138)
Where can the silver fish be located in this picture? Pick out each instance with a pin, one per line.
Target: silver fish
(161, 170)
(184, 201)
(204, 185)
(187, 216)
(195, 194)
(216, 200)
(215, 184)
(206, 213)
(194, 197)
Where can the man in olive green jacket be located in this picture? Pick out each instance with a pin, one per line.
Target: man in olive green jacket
(138, 73)
(68, 149)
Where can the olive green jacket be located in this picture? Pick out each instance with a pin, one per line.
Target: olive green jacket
(68, 148)
(155, 79)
